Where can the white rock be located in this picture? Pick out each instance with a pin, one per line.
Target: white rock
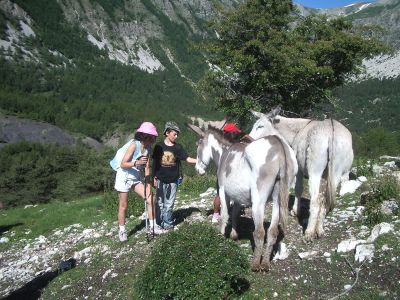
(308, 254)
(4, 240)
(348, 245)
(65, 287)
(364, 251)
(388, 206)
(347, 287)
(106, 274)
(351, 186)
(378, 230)
(390, 164)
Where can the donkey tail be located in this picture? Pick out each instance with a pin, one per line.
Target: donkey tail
(284, 186)
(330, 180)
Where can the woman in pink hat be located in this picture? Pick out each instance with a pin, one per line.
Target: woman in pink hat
(135, 161)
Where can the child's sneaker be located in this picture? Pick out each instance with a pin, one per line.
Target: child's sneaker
(122, 236)
(157, 230)
(215, 218)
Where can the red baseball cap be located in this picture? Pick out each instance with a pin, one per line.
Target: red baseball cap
(231, 127)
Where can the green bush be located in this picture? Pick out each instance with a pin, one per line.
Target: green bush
(194, 262)
(364, 167)
(385, 188)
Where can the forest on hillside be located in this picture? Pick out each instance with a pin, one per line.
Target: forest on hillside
(83, 92)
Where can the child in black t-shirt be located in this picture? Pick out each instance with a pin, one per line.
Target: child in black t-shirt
(166, 162)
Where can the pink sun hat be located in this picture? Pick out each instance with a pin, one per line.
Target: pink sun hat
(148, 128)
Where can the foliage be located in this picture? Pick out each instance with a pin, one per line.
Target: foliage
(67, 39)
(96, 99)
(36, 173)
(370, 103)
(264, 56)
(385, 188)
(363, 167)
(376, 142)
(193, 263)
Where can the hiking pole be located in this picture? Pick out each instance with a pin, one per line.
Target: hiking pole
(145, 206)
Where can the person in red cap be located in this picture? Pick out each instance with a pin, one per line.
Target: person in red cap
(231, 133)
(135, 159)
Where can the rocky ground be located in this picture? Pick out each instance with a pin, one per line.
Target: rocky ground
(351, 259)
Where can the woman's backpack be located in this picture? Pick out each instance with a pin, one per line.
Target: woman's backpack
(115, 163)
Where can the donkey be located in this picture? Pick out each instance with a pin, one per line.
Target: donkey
(248, 174)
(323, 151)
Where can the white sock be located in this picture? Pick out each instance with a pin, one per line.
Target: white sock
(121, 227)
(151, 223)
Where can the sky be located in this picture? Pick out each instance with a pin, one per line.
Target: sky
(327, 3)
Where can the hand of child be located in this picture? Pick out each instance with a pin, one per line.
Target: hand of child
(142, 160)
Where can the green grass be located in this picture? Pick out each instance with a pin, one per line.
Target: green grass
(42, 219)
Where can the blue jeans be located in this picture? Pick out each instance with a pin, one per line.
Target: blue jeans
(166, 194)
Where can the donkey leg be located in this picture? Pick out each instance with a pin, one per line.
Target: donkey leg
(315, 207)
(273, 230)
(224, 209)
(235, 218)
(259, 232)
(296, 209)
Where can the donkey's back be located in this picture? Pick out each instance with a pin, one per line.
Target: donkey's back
(321, 142)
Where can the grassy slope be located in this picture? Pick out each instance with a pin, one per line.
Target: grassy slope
(111, 267)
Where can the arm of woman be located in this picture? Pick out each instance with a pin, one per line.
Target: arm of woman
(126, 162)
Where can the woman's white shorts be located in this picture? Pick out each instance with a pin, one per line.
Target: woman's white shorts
(125, 179)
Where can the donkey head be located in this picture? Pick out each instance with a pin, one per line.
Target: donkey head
(264, 126)
(204, 151)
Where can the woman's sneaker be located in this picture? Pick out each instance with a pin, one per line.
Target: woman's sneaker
(122, 236)
(157, 230)
(215, 218)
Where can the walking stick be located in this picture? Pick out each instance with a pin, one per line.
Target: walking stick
(145, 206)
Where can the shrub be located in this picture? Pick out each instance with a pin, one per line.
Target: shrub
(385, 188)
(194, 262)
(364, 167)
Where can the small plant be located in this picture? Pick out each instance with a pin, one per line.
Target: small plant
(194, 262)
(364, 167)
(387, 187)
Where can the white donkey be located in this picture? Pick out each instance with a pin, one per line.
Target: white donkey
(323, 151)
(248, 174)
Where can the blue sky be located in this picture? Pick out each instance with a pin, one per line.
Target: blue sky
(327, 3)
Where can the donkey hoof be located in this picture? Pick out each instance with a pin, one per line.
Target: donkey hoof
(255, 267)
(234, 235)
(320, 233)
(309, 237)
(265, 266)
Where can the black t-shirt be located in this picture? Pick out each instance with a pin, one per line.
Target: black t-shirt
(166, 161)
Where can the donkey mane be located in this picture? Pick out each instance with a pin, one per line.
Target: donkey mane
(219, 135)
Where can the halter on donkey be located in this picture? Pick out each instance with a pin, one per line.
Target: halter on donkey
(323, 151)
(248, 174)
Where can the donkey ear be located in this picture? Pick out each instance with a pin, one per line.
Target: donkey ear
(196, 129)
(256, 114)
(275, 111)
